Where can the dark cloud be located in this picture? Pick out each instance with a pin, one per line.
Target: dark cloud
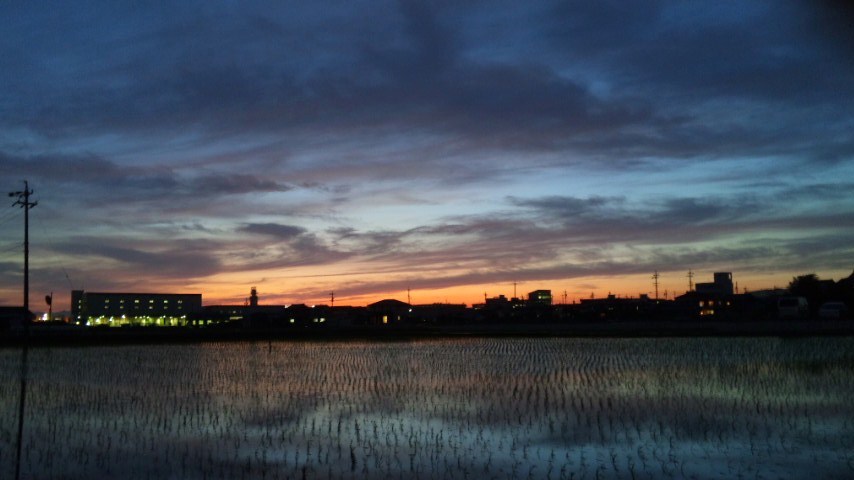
(99, 180)
(175, 259)
(423, 80)
(712, 49)
(230, 183)
(273, 229)
(367, 243)
(226, 78)
(302, 250)
(832, 21)
(599, 219)
(568, 207)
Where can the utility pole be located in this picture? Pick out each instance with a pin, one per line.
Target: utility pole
(24, 202)
(655, 282)
(690, 280)
(332, 299)
(409, 296)
(514, 290)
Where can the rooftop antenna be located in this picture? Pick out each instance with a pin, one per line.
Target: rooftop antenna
(332, 299)
(690, 280)
(68, 278)
(655, 282)
(24, 202)
(514, 290)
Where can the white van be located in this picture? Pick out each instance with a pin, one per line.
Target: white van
(792, 308)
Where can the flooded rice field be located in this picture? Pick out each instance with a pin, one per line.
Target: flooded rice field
(467, 408)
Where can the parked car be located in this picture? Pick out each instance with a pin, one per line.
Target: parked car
(792, 308)
(833, 311)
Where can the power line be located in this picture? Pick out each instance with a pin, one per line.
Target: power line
(13, 215)
(11, 248)
(9, 215)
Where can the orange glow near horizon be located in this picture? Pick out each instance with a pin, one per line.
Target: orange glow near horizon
(234, 288)
(670, 285)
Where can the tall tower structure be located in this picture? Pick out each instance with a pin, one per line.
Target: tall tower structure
(253, 297)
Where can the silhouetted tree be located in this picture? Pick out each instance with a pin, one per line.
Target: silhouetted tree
(809, 287)
(802, 282)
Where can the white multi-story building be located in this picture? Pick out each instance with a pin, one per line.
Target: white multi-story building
(116, 309)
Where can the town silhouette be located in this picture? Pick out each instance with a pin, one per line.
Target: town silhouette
(808, 302)
(807, 298)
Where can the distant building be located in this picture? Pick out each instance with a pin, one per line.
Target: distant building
(721, 286)
(117, 309)
(621, 309)
(389, 311)
(250, 313)
(441, 313)
(12, 318)
(718, 301)
(499, 309)
(496, 302)
(540, 298)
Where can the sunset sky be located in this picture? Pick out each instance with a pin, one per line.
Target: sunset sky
(449, 147)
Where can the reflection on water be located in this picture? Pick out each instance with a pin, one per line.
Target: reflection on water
(472, 408)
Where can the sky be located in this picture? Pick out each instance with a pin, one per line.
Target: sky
(434, 151)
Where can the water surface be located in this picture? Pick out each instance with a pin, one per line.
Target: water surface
(469, 408)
